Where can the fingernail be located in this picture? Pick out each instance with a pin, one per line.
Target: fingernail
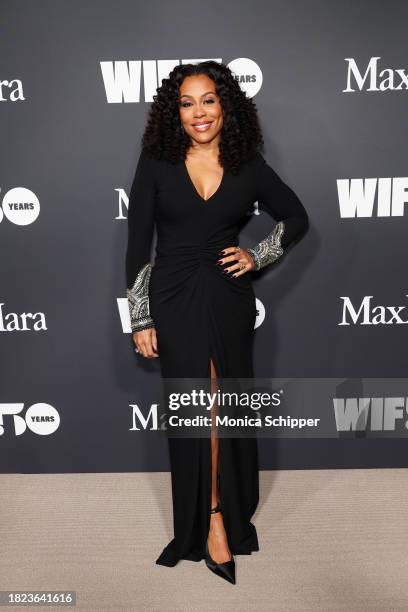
(221, 253)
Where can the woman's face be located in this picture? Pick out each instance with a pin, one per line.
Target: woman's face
(200, 108)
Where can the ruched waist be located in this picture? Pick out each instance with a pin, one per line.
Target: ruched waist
(195, 252)
(190, 268)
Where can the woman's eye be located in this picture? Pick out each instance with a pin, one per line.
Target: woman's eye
(187, 104)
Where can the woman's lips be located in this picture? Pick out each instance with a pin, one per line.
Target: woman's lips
(203, 127)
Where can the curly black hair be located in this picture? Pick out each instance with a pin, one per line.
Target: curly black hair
(240, 137)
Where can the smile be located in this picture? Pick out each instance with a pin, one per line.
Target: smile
(202, 127)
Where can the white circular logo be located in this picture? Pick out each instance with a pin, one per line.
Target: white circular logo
(260, 313)
(248, 74)
(42, 419)
(21, 206)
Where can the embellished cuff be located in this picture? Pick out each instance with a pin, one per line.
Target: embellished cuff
(138, 300)
(269, 249)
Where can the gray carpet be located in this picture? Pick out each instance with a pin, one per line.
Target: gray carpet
(329, 539)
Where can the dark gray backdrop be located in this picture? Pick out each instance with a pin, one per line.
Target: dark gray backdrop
(74, 150)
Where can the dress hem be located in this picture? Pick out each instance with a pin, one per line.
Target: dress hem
(196, 557)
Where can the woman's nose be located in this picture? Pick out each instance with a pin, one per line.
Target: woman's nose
(200, 110)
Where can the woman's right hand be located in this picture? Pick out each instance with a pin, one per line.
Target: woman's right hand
(146, 342)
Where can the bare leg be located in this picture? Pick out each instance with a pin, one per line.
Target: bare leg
(217, 537)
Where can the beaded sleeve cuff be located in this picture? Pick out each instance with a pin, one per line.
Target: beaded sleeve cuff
(269, 249)
(138, 300)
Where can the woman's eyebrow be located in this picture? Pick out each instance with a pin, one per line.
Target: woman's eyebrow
(204, 94)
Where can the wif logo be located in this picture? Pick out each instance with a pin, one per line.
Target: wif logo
(370, 413)
(260, 313)
(124, 316)
(20, 206)
(357, 197)
(123, 80)
(41, 419)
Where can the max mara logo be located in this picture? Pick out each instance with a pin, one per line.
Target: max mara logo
(368, 314)
(11, 90)
(372, 79)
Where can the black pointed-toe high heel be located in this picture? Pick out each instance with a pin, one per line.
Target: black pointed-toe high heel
(225, 570)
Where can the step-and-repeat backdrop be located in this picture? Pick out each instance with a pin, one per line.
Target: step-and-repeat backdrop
(77, 78)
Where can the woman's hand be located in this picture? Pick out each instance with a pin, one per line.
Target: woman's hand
(241, 261)
(146, 342)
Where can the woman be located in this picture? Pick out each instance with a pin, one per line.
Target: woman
(198, 176)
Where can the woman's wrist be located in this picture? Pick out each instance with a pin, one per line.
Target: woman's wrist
(252, 252)
(269, 249)
(141, 325)
(138, 300)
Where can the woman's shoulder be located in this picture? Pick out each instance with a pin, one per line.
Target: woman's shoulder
(255, 163)
(261, 166)
(257, 159)
(147, 157)
(150, 160)
(149, 163)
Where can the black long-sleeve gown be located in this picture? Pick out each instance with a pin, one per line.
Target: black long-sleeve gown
(198, 313)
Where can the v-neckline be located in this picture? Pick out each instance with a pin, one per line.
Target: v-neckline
(195, 189)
